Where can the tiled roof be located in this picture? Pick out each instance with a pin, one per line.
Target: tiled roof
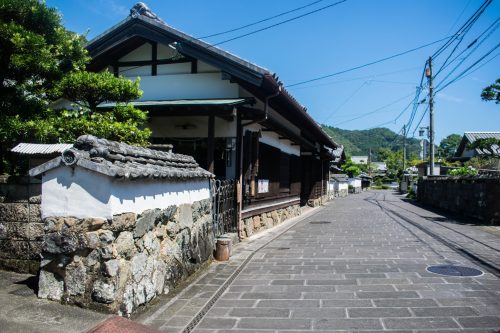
(120, 160)
(473, 136)
(40, 149)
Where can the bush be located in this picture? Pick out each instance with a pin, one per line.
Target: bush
(463, 171)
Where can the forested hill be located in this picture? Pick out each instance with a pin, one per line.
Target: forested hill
(359, 142)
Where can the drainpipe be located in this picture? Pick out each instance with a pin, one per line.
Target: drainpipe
(264, 118)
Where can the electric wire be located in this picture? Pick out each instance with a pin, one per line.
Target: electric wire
(462, 74)
(367, 64)
(474, 42)
(477, 45)
(468, 23)
(376, 110)
(261, 21)
(278, 24)
(420, 121)
(346, 100)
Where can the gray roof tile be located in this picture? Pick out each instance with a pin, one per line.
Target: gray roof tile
(120, 160)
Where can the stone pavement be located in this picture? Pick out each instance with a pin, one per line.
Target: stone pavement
(357, 264)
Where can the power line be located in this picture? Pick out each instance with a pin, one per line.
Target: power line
(474, 42)
(279, 23)
(468, 23)
(347, 100)
(376, 110)
(463, 73)
(262, 21)
(459, 16)
(357, 78)
(420, 121)
(367, 64)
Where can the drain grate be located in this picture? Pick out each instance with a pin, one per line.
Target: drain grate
(320, 222)
(451, 270)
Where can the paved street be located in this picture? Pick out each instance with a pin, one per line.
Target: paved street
(357, 264)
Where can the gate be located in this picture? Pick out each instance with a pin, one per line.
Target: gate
(224, 215)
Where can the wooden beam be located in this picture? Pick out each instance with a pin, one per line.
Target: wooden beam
(154, 57)
(211, 143)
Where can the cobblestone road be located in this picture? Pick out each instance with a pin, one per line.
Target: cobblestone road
(357, 264)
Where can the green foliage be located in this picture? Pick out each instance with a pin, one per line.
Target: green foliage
(484, 162)
(40, 61)
(448, 146)
(393, 160)
(485, 145)
(350, 168)
(88, 89)
(359, 142)
(492, 92)
(463, 171)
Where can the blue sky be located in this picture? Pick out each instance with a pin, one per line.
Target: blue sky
(344, 36)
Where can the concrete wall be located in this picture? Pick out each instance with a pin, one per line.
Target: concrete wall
(469, 196)
(21, 230)
(121, 264)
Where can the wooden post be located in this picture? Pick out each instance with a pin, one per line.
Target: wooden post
(211, 143)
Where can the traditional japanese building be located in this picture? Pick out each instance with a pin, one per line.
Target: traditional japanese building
(233, 116)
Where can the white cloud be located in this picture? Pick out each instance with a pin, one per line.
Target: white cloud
(450, 98)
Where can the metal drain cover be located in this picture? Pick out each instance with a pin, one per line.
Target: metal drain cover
(451, 270)
(320, 222)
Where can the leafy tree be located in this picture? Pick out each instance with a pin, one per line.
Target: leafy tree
(492, 92)
(35, 51)
(448, 146)
(393, 160)
(88, 89)
(40, 61)
(350, 168)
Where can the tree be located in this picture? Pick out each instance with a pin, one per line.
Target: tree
(88, 89)
(350, 168)
(41, 61)
(448, 146)
(35, 51)
(492, 92)
(393, 160)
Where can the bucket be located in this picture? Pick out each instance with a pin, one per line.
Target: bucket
(223, 249)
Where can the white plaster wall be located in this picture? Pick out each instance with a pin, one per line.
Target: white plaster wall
(165, 52)
(203, 67)
(85, 194)
(138, 196)
(143, 52)
(186, 86)
(355, 182)
(342, 186)
(272, 139)
(180, 68)
(172, 127)
(75, 192)
(132, 72)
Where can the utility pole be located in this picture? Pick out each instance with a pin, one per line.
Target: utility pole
(404, 148)
(431, 118)
(369, 163)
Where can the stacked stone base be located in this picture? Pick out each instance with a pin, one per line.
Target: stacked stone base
(21, 230)
(263, 221)
(120, 264)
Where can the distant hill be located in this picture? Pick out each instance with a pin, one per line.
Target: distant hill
(359, 142)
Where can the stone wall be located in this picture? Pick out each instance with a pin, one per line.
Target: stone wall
(263, 221)
(468, 196)
(120, 264)
(21, 230)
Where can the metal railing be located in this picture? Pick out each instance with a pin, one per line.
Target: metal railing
(224, 213)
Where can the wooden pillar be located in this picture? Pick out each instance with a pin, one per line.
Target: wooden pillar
(211, 143)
